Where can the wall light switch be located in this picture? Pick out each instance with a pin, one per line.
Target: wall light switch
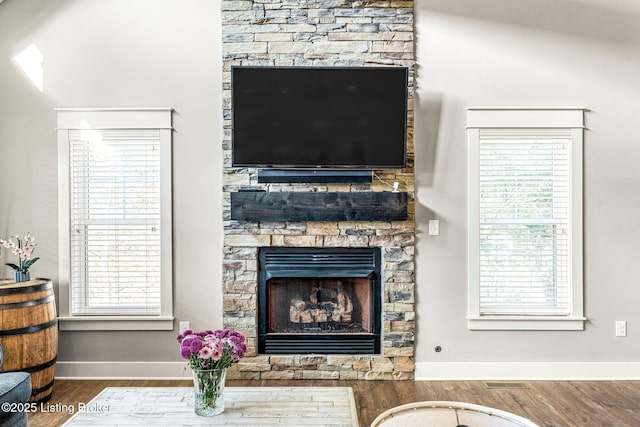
(184, 325)
(621, 328)
(434, 227)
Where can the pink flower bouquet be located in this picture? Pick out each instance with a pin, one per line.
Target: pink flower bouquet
(212, 349)
(209, 354)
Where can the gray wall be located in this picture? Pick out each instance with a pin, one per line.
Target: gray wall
(118, 53)
(530, 53)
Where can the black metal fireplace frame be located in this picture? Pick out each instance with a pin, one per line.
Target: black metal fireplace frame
(283, 262)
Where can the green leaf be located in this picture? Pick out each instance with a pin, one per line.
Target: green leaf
(15, 267)
(29, 263)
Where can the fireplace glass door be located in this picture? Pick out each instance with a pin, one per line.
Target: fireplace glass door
(302, 305)
(317, 300)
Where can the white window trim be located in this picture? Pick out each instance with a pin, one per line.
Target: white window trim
(506, 118)
(114, 118)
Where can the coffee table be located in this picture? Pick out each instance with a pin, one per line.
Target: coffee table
(244, 406)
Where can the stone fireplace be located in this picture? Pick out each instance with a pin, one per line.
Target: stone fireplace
(340, 303)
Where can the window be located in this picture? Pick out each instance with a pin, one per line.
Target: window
(115, 219)
(525, 219)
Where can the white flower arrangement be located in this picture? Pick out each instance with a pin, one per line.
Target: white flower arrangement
(23, 248)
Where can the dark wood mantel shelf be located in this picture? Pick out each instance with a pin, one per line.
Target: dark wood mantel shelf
(318, 206)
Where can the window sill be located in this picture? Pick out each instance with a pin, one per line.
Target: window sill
(526, 323)
(116, 323)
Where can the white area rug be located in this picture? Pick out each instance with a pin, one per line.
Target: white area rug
(244, 406)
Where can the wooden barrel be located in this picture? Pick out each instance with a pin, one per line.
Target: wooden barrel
(29, 333)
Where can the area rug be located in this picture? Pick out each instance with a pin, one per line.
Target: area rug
(244, 406)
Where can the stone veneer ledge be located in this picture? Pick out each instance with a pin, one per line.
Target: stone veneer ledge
(319, 33)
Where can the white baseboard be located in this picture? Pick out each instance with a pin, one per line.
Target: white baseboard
(459, 371)
(425, 371)
(123, 370)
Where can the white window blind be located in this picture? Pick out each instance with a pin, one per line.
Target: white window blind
(115, 222)
(524, 215)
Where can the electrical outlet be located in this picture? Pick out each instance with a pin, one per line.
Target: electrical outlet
(434, 227)
(621, 328)
(184, 325)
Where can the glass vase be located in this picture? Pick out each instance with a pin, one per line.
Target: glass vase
(209, 391)
(19, 276)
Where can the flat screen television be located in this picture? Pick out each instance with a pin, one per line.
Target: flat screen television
(319, 117)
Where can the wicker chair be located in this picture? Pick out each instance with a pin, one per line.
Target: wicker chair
(448, 414)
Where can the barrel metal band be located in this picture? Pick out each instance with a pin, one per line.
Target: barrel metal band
(26, 289)
(40, 367)
(29, 329)
(41, 389)
(30, 303)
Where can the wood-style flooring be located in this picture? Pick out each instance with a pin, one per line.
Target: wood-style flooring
(548, 403)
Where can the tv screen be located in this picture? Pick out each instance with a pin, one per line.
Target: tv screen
(304, 117)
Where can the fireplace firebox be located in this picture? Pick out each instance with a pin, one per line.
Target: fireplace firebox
(319, 300)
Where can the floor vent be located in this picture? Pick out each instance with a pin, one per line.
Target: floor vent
(495, 385)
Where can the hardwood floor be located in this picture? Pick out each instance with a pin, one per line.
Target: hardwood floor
(548, 403)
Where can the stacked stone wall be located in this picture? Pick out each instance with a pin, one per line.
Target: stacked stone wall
(319, 33)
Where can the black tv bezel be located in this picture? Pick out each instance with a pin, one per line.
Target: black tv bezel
(317, 167)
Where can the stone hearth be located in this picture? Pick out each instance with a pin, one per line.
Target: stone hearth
(319, 33)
